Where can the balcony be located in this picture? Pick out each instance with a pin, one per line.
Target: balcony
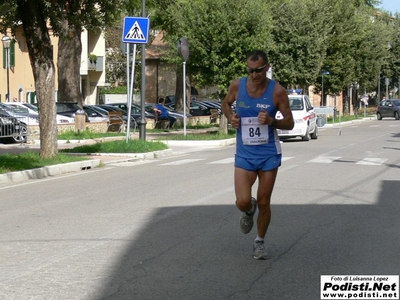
(96, 66)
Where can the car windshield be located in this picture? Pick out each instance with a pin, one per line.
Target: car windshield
(31, 106)
(17, 110)
(296, 103)
(100, 110)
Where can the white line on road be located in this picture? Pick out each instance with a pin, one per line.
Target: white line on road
(181, 162)
(371, 161)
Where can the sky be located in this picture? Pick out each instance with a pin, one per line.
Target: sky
(390, 5)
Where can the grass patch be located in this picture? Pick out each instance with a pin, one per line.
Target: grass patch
(32, 160)
(86, 135)
(209, 135)
(121, 146)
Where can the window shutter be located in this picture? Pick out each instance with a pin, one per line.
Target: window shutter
(12, 54)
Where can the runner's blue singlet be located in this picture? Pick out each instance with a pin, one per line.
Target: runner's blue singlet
(254, 140)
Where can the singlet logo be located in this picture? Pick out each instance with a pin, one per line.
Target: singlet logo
(241, 104)
(265, 106)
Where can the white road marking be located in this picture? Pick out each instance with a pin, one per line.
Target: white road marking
(371, 161)
(181, 162)
(223, 161)
(324, 159)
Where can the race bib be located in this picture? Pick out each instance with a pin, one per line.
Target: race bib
(253, 133)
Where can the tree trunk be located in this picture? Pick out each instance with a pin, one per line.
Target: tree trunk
(68, 64)
(223, 125)
(179, 91)
(41, 57)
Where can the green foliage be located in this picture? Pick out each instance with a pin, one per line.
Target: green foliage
(206, 136)
(86, 135)
(220, 35)
(114, 90)
(32, 160)
(121, 146)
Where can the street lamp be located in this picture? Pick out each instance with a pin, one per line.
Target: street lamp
(324, 72)
(6, 46)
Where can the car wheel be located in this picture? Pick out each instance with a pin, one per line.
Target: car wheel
(396, 115)
(378, 116)
(306, 137)
(22, 134)
(314, 135)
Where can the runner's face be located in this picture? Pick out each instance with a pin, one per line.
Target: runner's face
(257, 70)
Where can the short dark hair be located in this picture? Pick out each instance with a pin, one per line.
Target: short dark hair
(161, 100)
(256, 55)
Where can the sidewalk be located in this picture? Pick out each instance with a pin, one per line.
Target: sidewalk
(98, 159)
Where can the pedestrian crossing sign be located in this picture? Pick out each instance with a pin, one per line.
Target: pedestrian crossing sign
(136, 30)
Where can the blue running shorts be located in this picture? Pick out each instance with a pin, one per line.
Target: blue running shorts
(257, 164)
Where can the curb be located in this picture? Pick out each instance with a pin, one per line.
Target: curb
(40, 173)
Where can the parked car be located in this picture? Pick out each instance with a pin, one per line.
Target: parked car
(196, 108)
(305, 119)
(124, 114)
(11, 127)
(21, 113)
(388, 108)
(169, 99)
(69, 109)
(96, 114)
(173, 113)
(136, 110)
(33, 110)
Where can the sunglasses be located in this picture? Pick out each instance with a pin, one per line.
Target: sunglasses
(257, 70)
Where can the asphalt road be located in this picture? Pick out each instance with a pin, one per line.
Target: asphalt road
(168, 228)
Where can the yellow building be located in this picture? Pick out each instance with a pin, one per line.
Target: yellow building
(18, 78)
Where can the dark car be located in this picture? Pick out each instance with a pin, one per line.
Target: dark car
(136, 111)
(196, 108)
(11, 127)
(69, 109)
(149, 107)
(95, 114)
(388, 108)
(124, 114)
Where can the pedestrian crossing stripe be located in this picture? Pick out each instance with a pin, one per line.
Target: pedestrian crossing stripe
(136, 30)
(367, 161)
(223, 161)
(324, 159)
(181, 162)
(371, 161)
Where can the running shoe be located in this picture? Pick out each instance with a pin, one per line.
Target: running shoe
(246, 220)
(259, 251)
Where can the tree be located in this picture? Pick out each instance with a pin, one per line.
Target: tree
(69, 19)
(33, 19)
(220, 35)
(66, 19)
(300, 32)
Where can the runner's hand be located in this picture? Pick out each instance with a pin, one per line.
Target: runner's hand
(235, 121)
(263, 116)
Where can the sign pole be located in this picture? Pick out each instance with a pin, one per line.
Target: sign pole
(136, 31)
(183, 50)
(130, 93)
(184, 98)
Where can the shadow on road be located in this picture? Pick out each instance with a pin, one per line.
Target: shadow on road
(198, 252)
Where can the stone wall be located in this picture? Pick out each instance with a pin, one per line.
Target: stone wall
(101, 127)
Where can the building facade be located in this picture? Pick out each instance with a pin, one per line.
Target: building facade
(18, 79)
